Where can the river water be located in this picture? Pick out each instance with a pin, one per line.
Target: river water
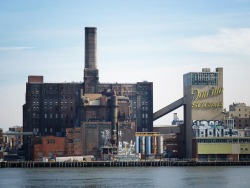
(186, 177)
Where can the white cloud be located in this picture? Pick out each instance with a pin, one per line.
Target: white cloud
(15, 48)
(226, 41)
(56, 33)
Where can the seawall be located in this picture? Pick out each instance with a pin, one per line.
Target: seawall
(36, 164)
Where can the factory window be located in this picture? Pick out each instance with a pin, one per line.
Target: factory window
(45, 129)
(239, 115)
(61, 115)
(51, 116)
(78, 131)
(51, 141)
(56, 115)
(45, 115)
(51, 130)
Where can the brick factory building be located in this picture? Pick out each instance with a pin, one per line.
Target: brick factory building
(52, 108)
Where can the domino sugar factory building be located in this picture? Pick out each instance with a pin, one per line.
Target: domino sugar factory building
(99, 110)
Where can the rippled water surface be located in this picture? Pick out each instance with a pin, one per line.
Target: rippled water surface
(188, 177)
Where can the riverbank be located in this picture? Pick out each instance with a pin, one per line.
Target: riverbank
(36, 164)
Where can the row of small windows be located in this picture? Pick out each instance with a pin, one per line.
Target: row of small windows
(52, 92)
(62, 102)
(36, 130)
(51, 141)
(242, 140)
(56, 116)
(242, 120)
(201, 79)
(53, 116)
(245, 115)
(245, 110)
(204, 76)
(35, 92)
(50, 108)
(35, 103)
(46, 130)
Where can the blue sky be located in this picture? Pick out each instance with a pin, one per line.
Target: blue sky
(156, 40)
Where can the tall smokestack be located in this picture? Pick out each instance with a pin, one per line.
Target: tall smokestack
(91, 75)
(90, 47)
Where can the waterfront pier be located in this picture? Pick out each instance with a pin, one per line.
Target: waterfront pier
(36, 164)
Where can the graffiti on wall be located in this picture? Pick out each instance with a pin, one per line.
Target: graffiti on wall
(212, 128)
(207, 124)
(105, 138)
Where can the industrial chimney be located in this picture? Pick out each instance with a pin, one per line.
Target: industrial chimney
(91, 74)
(90, 47)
